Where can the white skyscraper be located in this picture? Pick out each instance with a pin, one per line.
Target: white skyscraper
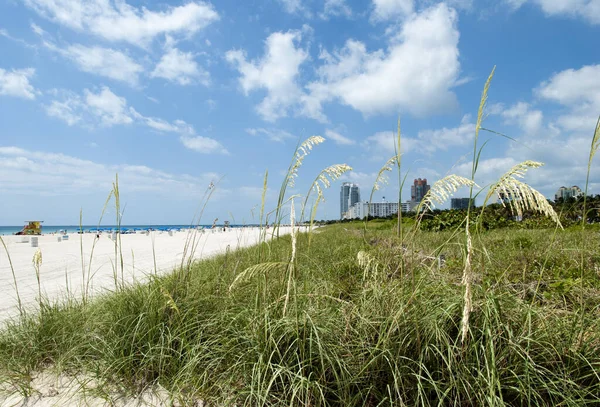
(349, 195)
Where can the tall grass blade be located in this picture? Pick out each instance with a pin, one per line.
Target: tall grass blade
(467, 271)
(593, 150)
(14, 276)
(292, 263)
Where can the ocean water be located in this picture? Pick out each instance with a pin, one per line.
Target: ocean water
(48, 229)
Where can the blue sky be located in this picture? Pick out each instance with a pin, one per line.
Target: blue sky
(175, 95)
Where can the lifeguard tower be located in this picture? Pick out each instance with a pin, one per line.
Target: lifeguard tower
(33, 228)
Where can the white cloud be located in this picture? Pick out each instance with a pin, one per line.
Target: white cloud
(292, 6)
(364, 179)
(66, 110)
(578, 90)
(573, 85)
(36, 173)
(181, 68)
(177, 126)
(105, 62)
(530, 120)
(382, 145)
(204, 145)
(16, 83)
(96, 60)
(586, 9)
(390, 9)
(427, 141)
(272, 134)
(37, 29)
(115, 20)
(414, 74)
(335, 8)
(338, 138)
(276, 72)
(110, 108)
(443, 139)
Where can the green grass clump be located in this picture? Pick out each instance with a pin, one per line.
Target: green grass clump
(389, 336)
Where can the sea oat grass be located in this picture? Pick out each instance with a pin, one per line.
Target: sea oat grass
(348, 337)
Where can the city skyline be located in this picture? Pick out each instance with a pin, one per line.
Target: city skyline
(349, 195)
(358, 209)
(568, 192)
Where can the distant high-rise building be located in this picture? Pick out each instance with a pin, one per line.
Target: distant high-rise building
(460, 203)
(566, 193)
(375, 209)
(419, 189)
(349, 195)
(354, 195)
(508, 196)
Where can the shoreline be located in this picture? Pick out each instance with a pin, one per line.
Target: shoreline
(9, 230)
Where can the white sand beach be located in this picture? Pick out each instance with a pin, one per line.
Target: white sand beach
(61, 267)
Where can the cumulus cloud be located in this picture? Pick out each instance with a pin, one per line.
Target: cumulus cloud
(427, 141)
(578, 90)
(67, 106)
(105, 62)
(335, 8)
(276, 73)
(27, 172)
(573, 85)
(292, 6)
(277, 135)
(523, 115)
(588, 10)
(103, 107)
(364, 179)
(383, 144)
(203, 145)
(389, 9)
(16, 83)
(414, 74)
(338, 138)
(445, 138)
(115, 20)
(110, 108)
(181, 68)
